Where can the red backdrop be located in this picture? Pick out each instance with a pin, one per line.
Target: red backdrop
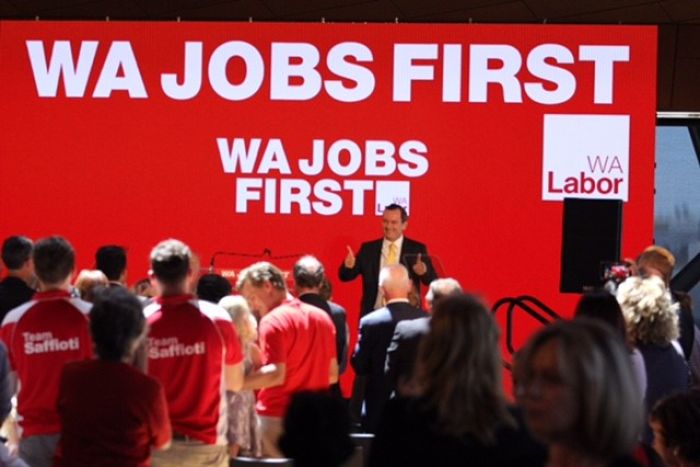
(132, 171)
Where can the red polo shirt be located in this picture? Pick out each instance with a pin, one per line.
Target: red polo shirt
(189, 343)
(303, 338)
(41, 336)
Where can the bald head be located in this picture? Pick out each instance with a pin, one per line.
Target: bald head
(441, 288)
(394, 281)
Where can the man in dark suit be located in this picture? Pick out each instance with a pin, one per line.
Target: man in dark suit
(376, 330)
(309, 276)
(402, 353)
(16, 288)
(393, 248)
(111, 260)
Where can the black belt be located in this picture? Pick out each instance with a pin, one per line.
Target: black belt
(184, 437)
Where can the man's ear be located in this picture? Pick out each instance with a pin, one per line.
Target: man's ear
(267, 286)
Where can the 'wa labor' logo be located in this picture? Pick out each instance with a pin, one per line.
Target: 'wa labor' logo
(585, 156)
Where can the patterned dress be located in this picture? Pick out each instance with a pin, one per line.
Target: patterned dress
(243, 424)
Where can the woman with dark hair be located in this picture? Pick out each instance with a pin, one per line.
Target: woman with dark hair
(461, 416)
(601, 305)
(111, 413)
(574, 381)
(676, 424)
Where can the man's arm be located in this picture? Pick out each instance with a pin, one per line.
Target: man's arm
(430, 274)
(270, 375)
(361, 357)
(160, 422)
(8, 384)
(333, 371)
(233, 362)
(422, 267)
(342, 332)
(350, 267)
(393, 357)
(234, 376)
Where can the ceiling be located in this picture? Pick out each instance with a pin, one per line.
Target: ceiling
(443, 11)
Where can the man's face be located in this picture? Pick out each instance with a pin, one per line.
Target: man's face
(258, 298)
(393, 227)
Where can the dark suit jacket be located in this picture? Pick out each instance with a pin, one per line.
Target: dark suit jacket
(402, 353)
(13, 292)
(369, 358)
(340, 322)
(367, 263)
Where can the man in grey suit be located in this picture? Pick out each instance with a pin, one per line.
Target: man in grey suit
(376, 330)
(403, 349)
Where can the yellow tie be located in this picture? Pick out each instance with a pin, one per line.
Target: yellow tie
(393, 256)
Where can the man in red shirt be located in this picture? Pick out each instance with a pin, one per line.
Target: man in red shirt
(298, 345)
(41, 336)
(195, 353)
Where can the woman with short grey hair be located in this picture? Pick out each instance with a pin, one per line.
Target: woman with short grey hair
(652, 325)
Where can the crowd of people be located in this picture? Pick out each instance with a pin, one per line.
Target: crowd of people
(192, 370)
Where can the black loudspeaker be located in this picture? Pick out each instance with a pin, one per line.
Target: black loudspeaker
(591, 236)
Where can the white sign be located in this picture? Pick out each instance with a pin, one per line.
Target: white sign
(585, 156)
(391, 192)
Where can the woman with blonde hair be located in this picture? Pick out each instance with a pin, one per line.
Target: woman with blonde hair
(575, 383)
(460, 416)
(652, 325)
(243, 426)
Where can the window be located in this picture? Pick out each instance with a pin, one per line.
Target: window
(677, 198)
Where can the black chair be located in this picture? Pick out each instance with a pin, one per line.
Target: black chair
(255, 462)
(364, 441)
(357, 459)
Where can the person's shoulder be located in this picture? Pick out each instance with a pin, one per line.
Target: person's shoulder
(409, 327)
(413, 243)
(78, 366)
(213, 311)
(336, 309)
(371, 244)
(377, 316)
(79, 370)
(336, 306)
(150, 384)
(15, 314)
(405, 308)
(81, 305)
(316, 312)
(279, 316)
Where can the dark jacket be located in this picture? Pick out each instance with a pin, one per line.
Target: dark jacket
(408, 436)
(13, 292)
(402, 352)
(340, 322)
(369, 358)
(367, 263)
